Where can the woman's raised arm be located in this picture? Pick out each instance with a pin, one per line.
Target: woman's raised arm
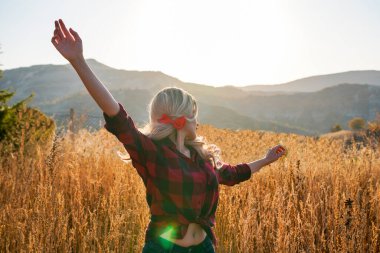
(69, 44)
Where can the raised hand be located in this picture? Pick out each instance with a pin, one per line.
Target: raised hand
(67, 42)
(275, 153)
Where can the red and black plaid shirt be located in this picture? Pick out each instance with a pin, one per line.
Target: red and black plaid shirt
(179, 190)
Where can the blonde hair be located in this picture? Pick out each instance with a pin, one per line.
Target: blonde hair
(176, 102)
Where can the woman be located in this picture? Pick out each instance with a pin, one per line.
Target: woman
(180, 171)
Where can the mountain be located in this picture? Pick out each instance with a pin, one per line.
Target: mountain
(319, 82)
(57, 82)
(58, 88)
(319, 110)
(136, 101)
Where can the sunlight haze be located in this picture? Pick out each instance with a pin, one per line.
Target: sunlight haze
(208, 42)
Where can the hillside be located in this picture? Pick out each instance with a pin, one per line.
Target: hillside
(57, 88)
(319, 82)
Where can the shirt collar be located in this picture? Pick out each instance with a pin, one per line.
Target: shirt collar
(168, 142)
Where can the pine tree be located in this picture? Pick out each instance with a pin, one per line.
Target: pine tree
(8, 114)
(22, 126)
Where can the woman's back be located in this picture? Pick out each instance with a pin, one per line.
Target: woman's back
(180, 190)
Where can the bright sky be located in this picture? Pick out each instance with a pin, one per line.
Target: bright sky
(214, 42)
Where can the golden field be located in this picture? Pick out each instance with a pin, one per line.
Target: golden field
(76, 195)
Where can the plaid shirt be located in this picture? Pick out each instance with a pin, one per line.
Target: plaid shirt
(179, 190)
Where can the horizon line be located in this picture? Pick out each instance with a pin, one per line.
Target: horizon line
(159, 71)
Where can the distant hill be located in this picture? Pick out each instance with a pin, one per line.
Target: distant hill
(56, 82)
(317, 111)
(136, 102)
(58, 88)
(316, 83)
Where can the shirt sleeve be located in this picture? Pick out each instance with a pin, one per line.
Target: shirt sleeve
(139, 146)
(233, 174)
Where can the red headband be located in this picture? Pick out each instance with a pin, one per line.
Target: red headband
(178, 123)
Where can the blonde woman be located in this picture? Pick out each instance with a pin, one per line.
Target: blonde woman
(180, 171)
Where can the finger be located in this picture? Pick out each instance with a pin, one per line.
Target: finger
(278, 147)
(75, 34)
(56, 34)
(59, 30)
(54, 40)
(64, 29)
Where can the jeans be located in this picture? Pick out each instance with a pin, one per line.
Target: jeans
(161, 245)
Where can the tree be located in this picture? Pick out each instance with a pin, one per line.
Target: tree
(336, 128)
(374, 126)
(357, 123)
(8, 114)
(21, 126)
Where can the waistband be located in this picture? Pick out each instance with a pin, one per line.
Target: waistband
(154, 230)
(168, 245)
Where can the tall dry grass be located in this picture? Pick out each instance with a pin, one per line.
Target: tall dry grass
(76, 195)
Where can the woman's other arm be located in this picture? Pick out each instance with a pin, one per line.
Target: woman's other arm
(233, 174)
(69, 44)
(255, 166)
